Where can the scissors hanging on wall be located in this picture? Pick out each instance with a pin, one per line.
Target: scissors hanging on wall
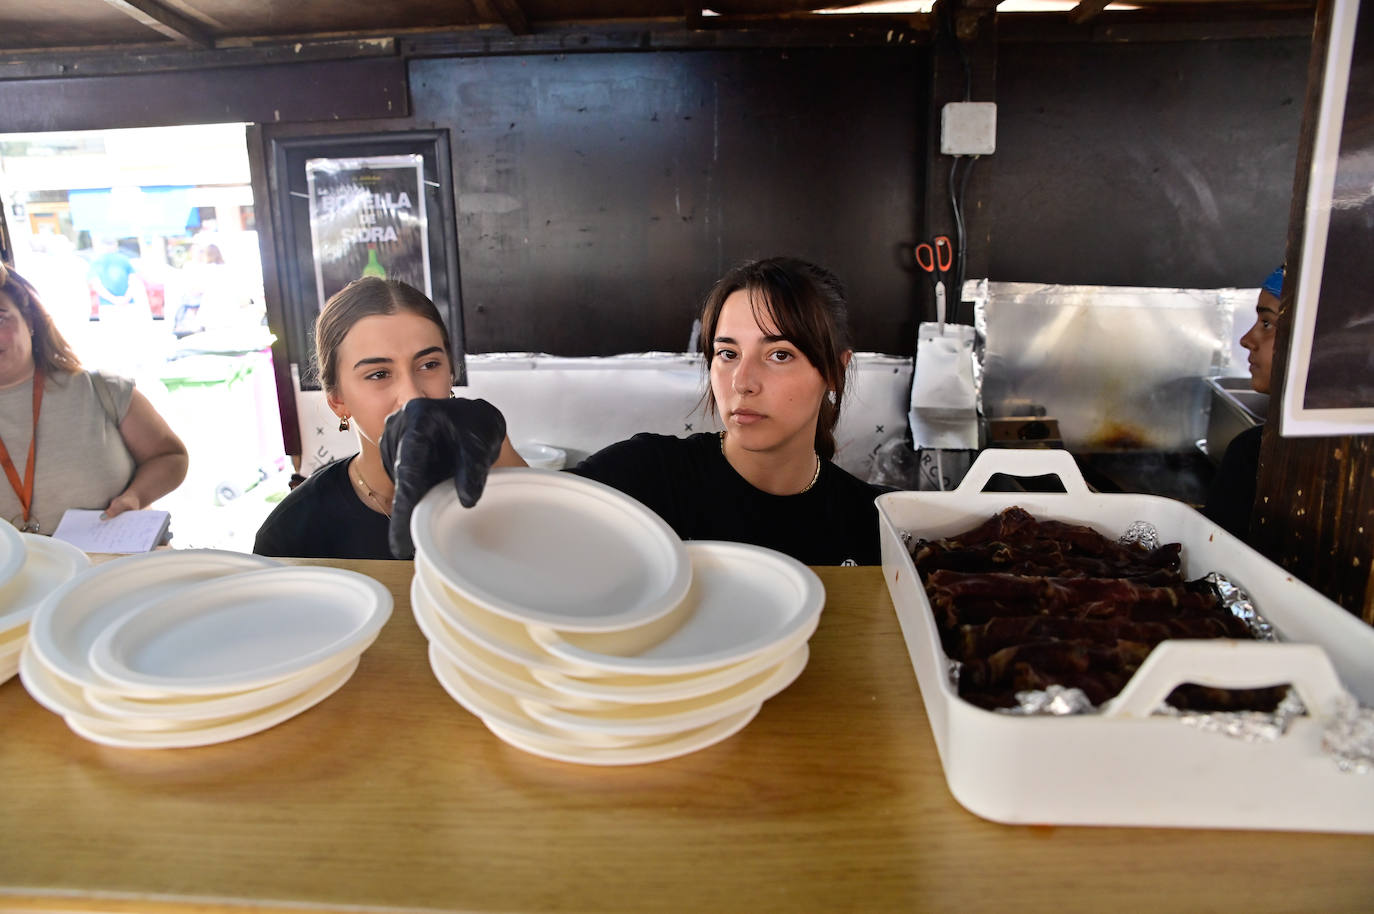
(936, 258)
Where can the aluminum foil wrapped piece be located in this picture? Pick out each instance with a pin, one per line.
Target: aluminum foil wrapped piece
(1237, 602)
(1056, 701)
(1142, 533)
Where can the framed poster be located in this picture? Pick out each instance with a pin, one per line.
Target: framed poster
(367, 218)
(347, 205)
(1329, 386)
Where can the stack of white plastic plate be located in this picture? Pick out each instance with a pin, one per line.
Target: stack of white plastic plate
(173, 649)
(577, 626)
(31, 567)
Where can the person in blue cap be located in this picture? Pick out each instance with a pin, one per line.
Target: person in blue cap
(1231, 498)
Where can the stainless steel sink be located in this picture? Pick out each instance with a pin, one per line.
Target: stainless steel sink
(1235, 407)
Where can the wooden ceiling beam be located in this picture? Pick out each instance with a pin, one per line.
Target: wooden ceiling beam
(507, 12)
(1087, 9)
(166, 21)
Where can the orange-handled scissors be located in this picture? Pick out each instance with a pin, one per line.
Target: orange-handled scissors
(937, 257)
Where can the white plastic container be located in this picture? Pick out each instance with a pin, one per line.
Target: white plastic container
(1122, 766)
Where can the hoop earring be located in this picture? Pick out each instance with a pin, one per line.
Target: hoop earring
(343, 423)
(452, 394)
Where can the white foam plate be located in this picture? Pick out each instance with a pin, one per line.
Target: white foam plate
(656, 751)
(51, 691)
(553, 548)
(242, 632)
(503, 637)
(494, 705)
(496, 671)
(674, 716)
(64, 626)
(542, 456)
(653, 689)
(16, 635)
(12, 553)
(49, 564)
(178, 712)
(126, 738)
(744, 599)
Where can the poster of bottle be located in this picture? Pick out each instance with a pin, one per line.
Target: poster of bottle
(367, 218)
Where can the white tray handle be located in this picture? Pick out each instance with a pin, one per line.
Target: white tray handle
(1024, 462)
(1226, 664)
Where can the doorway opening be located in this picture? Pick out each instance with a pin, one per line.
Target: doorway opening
(143, 246)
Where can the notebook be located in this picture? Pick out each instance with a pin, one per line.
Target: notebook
(132, 531)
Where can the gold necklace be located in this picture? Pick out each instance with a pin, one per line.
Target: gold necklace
(814, 476)
(362, 483)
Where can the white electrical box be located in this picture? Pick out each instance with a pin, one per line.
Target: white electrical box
(968, 129)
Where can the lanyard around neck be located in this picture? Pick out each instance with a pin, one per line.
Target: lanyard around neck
(24, 491)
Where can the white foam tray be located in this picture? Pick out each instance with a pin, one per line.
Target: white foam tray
(1122, 766)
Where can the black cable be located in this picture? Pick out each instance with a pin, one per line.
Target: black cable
(961, 265)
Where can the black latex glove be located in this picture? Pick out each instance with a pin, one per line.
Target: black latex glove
(428, 441)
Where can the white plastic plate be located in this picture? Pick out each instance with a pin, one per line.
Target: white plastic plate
(64, 626)
(513, 678)
(12, 554)
(181, 711)
(490, 704)
(675, 716)
(641, 754)
(503, 637)
(553, 548)
(242, 632)
(50, 563)
(125, 738)
(51, 691)
(743, 600)
(653, 689)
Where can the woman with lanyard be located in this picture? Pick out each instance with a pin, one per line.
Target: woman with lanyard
(71, 438)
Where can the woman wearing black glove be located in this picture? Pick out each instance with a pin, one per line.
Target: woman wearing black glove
(379, 345)
(775, 336)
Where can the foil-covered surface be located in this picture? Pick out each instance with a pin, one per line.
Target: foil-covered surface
(1249, 726)
(1349, 736)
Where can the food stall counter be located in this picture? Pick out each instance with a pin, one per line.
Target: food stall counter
(389, 796)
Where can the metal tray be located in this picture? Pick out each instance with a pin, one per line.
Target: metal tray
(1122, 766)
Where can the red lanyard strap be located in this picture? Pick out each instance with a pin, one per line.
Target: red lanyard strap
(24, 491)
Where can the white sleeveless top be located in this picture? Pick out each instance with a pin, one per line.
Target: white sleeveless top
(80, 462)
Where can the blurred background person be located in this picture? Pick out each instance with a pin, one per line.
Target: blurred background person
(114, 280)
(71, 438)
(1231, 497)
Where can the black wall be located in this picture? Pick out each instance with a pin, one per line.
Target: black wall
(1167, 164)
(600, 195)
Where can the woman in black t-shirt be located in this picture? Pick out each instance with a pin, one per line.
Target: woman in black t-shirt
(378, 345)
(775, 337)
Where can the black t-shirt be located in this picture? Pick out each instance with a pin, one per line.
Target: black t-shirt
(1231, 498)
(689, 483)
(323, 518)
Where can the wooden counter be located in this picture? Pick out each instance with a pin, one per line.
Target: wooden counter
(389, 795)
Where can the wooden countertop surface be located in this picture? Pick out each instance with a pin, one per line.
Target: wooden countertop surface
(390, 796)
